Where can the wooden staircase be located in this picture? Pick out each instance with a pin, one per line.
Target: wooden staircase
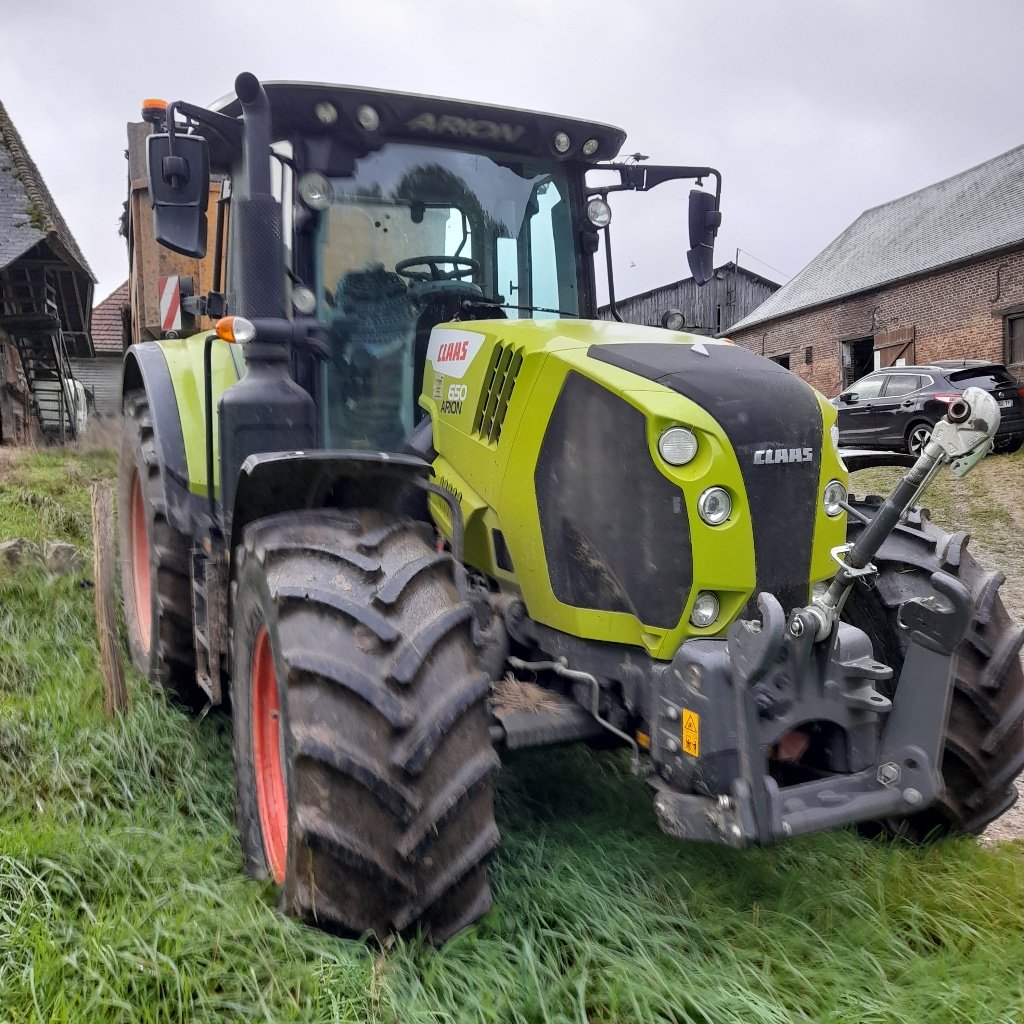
(30, 316)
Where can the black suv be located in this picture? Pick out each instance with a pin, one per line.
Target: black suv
(896, 408)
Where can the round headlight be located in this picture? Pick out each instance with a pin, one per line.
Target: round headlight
(673, 320)
(326, 113)
(590, 147)
(561, 142)
(677, 446)
(599, 213)
(303, 300)
(835, 494)
(705, 610)
(714, 506)
(316, 191)
(368, 118)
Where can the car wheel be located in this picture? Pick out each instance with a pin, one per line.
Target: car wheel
(917, 438)
(1009, 444)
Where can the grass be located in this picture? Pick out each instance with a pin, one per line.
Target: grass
(122, 896)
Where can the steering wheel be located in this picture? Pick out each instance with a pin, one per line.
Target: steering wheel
(463, 268)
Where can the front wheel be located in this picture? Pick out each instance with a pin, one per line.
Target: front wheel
(984, 748)
(362, 751)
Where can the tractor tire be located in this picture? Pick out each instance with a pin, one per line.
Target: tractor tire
(362, 751)
(984, 749)
(155, 577)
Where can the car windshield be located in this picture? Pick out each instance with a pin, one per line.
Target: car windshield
(411, 224)
(982, 377)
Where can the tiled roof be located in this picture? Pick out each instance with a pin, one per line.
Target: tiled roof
(28, 214)
(978, 211)
(107, 324)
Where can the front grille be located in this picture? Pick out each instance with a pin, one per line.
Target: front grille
(498, 385)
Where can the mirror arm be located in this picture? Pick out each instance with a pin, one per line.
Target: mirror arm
(228, 128)
(611, 275)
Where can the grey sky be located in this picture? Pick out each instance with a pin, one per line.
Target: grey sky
(812, 109)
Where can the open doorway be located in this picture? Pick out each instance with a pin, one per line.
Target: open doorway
(858, 359)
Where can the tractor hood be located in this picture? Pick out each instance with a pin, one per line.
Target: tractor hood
(548, 433)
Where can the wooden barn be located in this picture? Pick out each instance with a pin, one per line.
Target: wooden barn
(727, 298)
(45, 302)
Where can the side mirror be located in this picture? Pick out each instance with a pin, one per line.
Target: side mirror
(179, 187)
(850, 398)
(705, 220)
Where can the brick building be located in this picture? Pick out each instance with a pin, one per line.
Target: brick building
(937, 274)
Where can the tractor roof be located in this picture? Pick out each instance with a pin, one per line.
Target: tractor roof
(314, 108)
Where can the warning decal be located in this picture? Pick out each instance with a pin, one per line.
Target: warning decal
(691, 733)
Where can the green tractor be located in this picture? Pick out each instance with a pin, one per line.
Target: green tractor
(411, 504)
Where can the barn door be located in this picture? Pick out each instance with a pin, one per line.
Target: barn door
(894, 347)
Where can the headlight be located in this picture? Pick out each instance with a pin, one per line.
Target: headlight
(677, 446)
(673, 320)
(705, 610)
(834, 433)
(561, 142)
(714, 506)
(834, 496)
(599, 213)
(316, 191)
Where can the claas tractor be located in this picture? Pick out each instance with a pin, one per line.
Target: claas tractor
(400, 498)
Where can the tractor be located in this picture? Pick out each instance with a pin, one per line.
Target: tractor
(396, 495)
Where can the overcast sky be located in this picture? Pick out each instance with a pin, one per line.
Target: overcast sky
(814, 110)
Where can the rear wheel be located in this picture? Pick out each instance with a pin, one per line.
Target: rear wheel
(363, 756)
(1009, 444)
(917, 438)
(154, 563)
(984, 749)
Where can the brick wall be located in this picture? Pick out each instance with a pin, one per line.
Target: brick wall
(956, 313)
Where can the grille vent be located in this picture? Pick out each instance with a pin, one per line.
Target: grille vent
(498, 385)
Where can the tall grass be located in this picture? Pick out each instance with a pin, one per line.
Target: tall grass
(122, 896)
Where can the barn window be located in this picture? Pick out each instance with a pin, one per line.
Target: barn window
(782, 360)
(1015, 338)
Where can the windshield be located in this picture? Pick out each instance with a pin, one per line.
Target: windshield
(417, 236)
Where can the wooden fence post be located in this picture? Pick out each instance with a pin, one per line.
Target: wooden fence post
(115, 693)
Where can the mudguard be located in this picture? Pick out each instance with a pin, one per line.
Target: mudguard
(286, 481)
(145, 369)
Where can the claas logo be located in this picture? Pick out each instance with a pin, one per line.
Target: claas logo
(452, 351)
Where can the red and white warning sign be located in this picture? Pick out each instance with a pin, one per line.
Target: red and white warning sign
(170, 304)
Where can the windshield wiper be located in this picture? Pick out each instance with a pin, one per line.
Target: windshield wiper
(486, 303)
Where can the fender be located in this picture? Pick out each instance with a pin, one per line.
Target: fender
(145, 369)
(287, 481)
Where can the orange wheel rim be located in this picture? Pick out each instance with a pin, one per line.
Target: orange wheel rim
(271, 792)
(141, 581)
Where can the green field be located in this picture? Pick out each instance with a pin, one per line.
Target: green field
(122, 898)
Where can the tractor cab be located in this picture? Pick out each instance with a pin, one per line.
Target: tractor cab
(397, 213)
